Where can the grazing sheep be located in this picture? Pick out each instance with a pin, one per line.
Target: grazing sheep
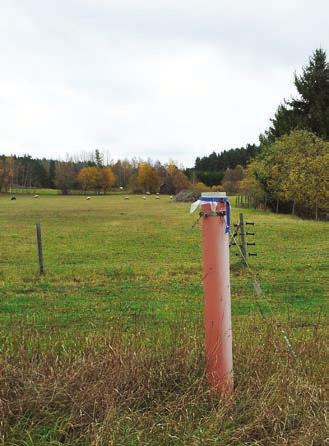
(158, 193)
(148, 193)
(144, 198)
(121, 188)
(88, 198)
(157, 197)
(13, 198)
(126, 198)
(171, 197)
(36, 196)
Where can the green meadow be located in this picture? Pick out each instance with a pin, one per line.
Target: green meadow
(135, 259)
(134, 268)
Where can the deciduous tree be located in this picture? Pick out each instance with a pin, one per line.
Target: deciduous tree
(88, 177)
(106, 179)
(65, 176)
(294, 169)
(148, 177)
(7, 173)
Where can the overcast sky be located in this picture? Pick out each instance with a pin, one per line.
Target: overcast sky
(166, 79)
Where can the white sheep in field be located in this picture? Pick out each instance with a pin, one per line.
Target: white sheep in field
(144, 198)
(36, 196)
(88, 198)
(171, 197)
(157, 197)
(126, 198)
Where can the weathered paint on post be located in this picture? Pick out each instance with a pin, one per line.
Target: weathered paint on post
(217, 296)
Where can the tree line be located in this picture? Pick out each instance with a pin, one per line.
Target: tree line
(211, 169)
(91, 174)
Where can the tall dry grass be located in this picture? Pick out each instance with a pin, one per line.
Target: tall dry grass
(119, 390)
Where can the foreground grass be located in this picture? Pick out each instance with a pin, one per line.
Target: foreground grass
(120, 393)
(106, 347)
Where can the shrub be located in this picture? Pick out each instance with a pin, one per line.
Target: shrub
(198, 188)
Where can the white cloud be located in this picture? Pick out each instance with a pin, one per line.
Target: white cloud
(162, 79)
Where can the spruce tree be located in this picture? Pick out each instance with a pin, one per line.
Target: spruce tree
(310, 110)
(98, 158)
(312, 107)
(285, 120)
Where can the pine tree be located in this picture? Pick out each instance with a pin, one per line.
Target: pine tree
(98, 158)
(285, 120)
(310, 110)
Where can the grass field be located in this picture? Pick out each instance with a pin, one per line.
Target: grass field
(33, 191)
(106, 346)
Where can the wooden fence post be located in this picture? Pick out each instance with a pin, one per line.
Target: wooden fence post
(243, 236)
(40, 253)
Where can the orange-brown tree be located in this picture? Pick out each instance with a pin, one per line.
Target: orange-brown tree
(87, 178)
(6, 173)
(147, 177)
(96, 178)
(106, 179)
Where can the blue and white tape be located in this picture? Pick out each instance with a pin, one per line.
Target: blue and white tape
(213, 201)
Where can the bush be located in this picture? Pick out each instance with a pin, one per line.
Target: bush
(218, 188)
(198, 188)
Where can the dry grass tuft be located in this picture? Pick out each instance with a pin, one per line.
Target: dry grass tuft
(111, 391)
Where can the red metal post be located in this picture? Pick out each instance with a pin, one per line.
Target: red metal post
(217, 296)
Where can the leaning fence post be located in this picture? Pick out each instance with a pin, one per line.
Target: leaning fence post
(243, 237)
(215, 213)
(40, 253)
